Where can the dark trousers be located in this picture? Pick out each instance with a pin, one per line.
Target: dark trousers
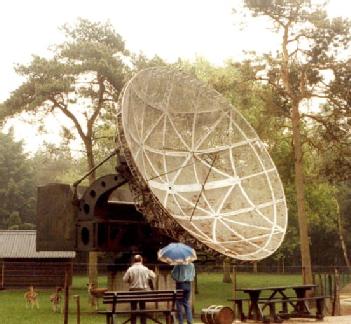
(134, 306)
(184, 303)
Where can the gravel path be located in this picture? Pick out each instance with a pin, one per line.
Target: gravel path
(326, 320)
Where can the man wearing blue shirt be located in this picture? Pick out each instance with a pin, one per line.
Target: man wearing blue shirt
(183, 275)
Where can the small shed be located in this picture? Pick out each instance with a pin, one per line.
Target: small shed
(21, 265)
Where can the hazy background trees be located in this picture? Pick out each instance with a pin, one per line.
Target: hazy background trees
(17, 185)
(309, 58)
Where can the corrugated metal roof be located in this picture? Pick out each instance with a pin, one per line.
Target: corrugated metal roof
(22, 244)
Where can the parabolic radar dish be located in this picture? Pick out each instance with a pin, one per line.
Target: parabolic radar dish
(203, 162)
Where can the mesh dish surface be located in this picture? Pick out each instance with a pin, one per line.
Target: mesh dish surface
(203, 163)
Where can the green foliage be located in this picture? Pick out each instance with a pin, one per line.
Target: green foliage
(322, 206)
(56, 164)
(17, 185)
(14, 220)
(140, 61)
(81, 82)
(337, 132)
(344, 200)
(244, 94)
(311, 44)
(322, 210)
(313, 66)
(94, 47)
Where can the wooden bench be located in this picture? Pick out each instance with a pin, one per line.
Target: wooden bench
(301, 309)
(113, 298)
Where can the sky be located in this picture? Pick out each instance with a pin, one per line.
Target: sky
(168, 28)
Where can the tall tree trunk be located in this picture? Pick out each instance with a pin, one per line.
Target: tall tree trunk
(299, 178)
(93, 256)
(300, 193)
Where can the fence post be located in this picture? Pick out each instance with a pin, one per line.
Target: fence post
(66, 288)
(76, 297)
(234, 281)
(226, 270)
(157, 279)
(330, 285)
(325, 292)
(2, 274)
(336, 299)
(193, 299)
(321, 285)
(196, 285)
(303, 275)
(234, 288)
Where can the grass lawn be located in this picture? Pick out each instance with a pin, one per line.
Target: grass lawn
(212, 291)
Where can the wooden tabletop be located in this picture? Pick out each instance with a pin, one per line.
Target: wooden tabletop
(308, 286)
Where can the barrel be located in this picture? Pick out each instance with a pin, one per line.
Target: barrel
(217, 314)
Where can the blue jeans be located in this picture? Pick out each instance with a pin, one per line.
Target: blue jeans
(186, 286)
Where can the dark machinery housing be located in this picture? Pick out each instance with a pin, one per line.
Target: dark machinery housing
(102, 217)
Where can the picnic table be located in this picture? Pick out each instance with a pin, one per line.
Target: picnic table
(299, 302)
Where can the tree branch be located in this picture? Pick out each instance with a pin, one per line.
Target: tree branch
(71, 116)
(100, 102)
